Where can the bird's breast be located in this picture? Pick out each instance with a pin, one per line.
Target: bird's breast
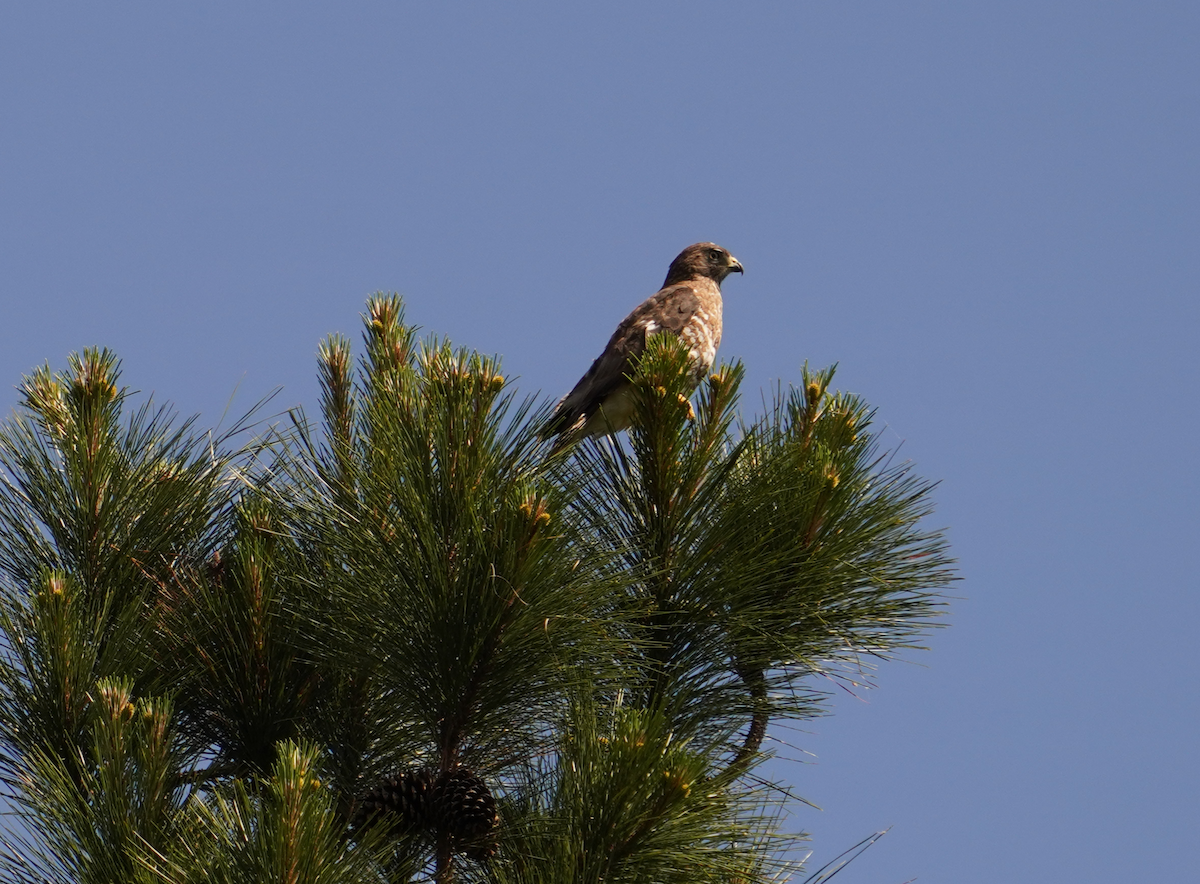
(703, 336)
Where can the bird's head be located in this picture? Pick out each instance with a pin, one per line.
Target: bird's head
(704, 259)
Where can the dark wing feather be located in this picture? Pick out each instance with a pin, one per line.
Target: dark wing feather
(669, 310)
(677, 307)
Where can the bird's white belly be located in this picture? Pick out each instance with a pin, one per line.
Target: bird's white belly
(613, 416)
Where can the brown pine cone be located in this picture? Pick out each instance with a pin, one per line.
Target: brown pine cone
(461, 805)
(403, 799)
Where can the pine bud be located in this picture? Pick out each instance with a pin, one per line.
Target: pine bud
(676, 785)
(813, 393)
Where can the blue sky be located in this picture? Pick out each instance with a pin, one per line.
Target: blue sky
(985, 213)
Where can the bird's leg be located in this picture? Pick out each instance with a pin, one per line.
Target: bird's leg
(687, 404)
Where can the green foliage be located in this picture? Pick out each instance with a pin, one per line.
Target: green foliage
(229, 647)
(93, 817)
(623, 799)
(449, 581)
(758, 556)
(110, 504)
(211, 653)
(279, 829)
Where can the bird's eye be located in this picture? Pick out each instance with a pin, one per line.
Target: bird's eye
(714, 254)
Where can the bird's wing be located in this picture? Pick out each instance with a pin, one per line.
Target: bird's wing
(668, 310)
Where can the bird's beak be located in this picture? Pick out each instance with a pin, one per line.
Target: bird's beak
(735, 266)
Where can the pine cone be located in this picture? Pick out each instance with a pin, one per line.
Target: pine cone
(461, 805)
(403, 797)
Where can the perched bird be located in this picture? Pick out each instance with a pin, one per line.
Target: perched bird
(688, 305)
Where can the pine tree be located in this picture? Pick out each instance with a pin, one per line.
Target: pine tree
(410, 641)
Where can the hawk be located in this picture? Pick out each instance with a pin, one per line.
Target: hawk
(688, 305)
